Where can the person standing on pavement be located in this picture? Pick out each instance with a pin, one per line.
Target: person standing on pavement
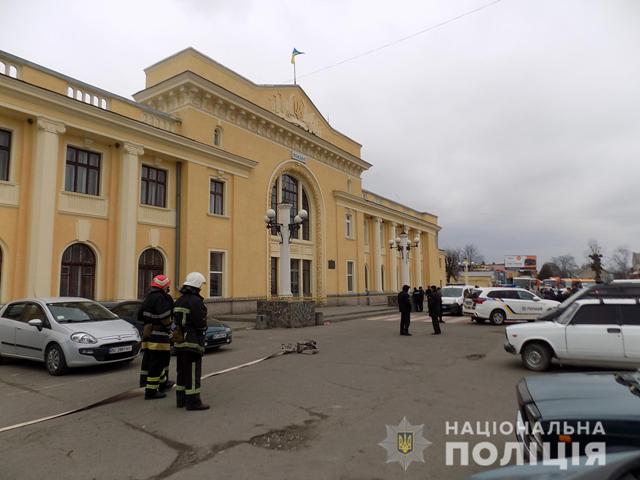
(190, 315)
(404, 305)
(155, 314)
(439, 297)
(415, 297)
(421, 300)
(434, 310)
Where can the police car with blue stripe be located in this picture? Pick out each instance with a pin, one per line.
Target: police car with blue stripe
(500, 304)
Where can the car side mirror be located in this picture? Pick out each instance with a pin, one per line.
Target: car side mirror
(536, 299)
(36, 322)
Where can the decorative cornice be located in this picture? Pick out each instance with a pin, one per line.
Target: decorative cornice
(51, 126)
(387, 213)
(133, 149)
(190, 90)
(159, 140)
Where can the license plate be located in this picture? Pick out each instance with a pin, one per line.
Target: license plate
(126, 348)
(220, 335)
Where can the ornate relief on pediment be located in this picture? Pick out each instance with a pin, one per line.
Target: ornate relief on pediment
(294, 109)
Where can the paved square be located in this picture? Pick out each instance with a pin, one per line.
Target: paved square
(297, 416)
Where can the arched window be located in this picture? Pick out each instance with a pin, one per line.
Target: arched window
(217, 137)
(78, 273)
(150, 264)
(287, 189)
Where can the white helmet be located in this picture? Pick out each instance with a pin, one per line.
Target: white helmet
(195, 279)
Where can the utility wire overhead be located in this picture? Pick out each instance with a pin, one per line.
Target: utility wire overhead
(400, 40)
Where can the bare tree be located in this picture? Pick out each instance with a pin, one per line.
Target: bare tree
(594, 254)
(566, 263)
(471, 253)
(548, 270)
(452, 258)
(620, 262)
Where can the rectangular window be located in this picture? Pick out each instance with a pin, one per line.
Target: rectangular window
(5, 154)
(216, 197)
(274, 276)
(82, 171)
(153, 187)
(295, 277)
(350, 268)
(306, 278)
(216, 273)
(349, 225)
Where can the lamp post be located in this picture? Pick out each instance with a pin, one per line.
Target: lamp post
(403, 245)
(286, 230)
(465, 264)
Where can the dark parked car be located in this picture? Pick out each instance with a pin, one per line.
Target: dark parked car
(218, 333)
(126, 310)
(620, 466)
(580, 399)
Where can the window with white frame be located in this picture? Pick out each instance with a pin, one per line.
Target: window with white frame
(5, 154)
(216, 197)
(350, 276)
(349, 225)
(216, 274)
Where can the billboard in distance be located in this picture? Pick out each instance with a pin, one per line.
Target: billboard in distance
(521, 262)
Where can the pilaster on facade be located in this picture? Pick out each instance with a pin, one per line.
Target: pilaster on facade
(418, 259)
(393, 259)
(377, 255)
(43, 204)
(127, 220)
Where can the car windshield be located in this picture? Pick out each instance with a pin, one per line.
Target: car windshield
(66, 312)
(451, 292)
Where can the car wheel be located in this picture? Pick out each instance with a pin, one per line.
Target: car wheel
(480, 320)
(497, 317)
(536, 357)
(55, 361)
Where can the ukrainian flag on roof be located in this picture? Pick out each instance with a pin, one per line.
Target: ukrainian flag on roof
(294, 54)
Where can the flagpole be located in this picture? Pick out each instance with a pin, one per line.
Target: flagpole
(294, 71)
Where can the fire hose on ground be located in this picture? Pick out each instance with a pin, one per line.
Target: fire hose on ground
(306, 346)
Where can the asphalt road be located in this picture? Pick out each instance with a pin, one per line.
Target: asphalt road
(296, 416)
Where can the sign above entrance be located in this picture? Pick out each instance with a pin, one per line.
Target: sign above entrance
(298, 156)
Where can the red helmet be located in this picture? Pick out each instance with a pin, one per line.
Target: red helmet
(160, 281)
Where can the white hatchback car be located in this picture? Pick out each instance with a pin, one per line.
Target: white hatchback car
(500, 304)
(594, 332)
(65, 332)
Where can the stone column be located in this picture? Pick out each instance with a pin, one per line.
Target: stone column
(128, 181)
(377, 255)
(284, 265)
(393, 260)
(43, 208)
(418, 258)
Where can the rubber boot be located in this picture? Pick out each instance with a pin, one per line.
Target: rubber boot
(180, 399)
(153, 395)
(194, 403)
(168, 385)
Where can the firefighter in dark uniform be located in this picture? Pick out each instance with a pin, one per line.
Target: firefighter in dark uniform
(190, 315)
(156, 315)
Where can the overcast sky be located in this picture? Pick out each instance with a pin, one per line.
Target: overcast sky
(518, 125)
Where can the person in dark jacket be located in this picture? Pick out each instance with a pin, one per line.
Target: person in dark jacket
(434, 310)
(404, 305)
(439, 297)
(155, 314)
(415, 298)
(190, 315)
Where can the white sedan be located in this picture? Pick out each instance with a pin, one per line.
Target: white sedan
(65, 332)
(500, 304)
(594, 332)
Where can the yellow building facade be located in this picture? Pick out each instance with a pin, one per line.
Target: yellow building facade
(98, 192)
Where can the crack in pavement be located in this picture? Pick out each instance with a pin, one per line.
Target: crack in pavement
(26, 389)
(289, 438)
